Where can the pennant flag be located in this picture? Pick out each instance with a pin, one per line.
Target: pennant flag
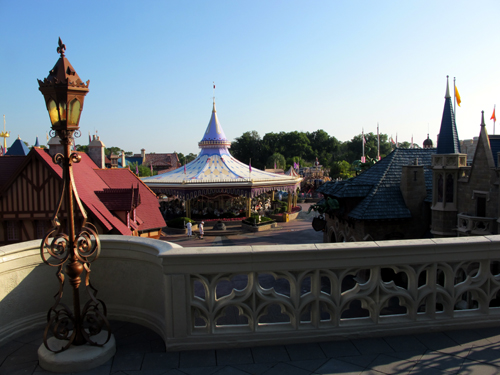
(493, 116)
(137, 169)
(184, 167)
(363, 159)
(90, 138)
(392, 141)
(457, 96)
(151, 165)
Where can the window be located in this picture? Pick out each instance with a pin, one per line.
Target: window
(481, 206)
(449, 188)
(440, 188)
(40, 228)
(12, 231)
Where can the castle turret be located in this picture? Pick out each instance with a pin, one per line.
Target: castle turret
(446, 164)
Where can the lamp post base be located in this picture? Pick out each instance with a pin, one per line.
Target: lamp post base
(76, 358)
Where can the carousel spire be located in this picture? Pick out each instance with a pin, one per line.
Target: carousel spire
(214, 136)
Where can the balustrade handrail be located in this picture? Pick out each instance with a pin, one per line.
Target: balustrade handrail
(247, 295)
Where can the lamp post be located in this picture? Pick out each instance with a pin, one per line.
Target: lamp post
(71, 252)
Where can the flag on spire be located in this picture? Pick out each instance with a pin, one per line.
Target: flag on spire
(363, 159)
(457, 96)
(378, 143)
(493, 116)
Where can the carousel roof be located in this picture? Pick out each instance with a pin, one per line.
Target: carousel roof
(215, 170)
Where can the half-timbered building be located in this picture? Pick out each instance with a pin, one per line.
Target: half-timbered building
(116, 201)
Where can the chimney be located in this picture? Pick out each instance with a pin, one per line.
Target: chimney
(143, 154)
(96, 152)
(124, 162)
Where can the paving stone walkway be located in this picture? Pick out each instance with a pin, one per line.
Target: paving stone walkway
(140, 351)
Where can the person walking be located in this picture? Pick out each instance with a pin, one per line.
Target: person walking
(201, 229)
(189, 227)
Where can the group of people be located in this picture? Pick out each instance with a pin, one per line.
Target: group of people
(189, 227)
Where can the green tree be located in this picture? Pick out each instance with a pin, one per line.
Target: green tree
(247, 147)
(297, 144)
(185, 158)
(278, 159)
(143, 170)
(114, 150)
(341, 169)
(82, 148)
(325, 148)
(353, 148)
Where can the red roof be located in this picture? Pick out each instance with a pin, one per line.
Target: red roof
(149, 209)
(89, 180)
(120, 199)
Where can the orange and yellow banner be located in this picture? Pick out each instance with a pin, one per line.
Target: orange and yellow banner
(457, 96)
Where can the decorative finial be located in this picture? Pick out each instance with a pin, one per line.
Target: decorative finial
(61, 48)
(447, 89)
(482, 119)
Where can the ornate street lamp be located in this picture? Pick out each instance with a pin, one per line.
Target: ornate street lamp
(71, 252)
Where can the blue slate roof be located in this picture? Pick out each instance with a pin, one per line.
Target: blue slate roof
(18, 148)
(448, 142)
(379, 186)
(495, 148)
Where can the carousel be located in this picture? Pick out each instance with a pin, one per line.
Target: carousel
(216, 183)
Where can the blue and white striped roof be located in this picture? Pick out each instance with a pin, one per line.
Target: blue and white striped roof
(216, 167)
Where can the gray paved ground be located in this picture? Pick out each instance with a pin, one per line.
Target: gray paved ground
(293, 232)
(142, 352)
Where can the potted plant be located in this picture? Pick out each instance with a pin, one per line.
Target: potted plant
(326, 205)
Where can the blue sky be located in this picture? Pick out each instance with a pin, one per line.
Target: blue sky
(278, 66)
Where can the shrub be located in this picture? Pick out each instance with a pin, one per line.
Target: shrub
(179, 222)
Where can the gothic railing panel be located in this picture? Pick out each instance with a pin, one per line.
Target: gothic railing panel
(475, 225)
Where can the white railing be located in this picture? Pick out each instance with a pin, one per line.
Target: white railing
(475, 225)
(242, 296)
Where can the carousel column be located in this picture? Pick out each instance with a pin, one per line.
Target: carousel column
(187, 203)
(289, 202)
(272, 196)
(249, 206)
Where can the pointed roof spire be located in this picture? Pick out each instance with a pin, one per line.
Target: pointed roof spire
(448, 142)
(482, 119)
(447, 95)
(214, 136)
(37, 144)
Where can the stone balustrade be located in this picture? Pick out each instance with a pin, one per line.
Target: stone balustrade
(475, 225)
(242, 296)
